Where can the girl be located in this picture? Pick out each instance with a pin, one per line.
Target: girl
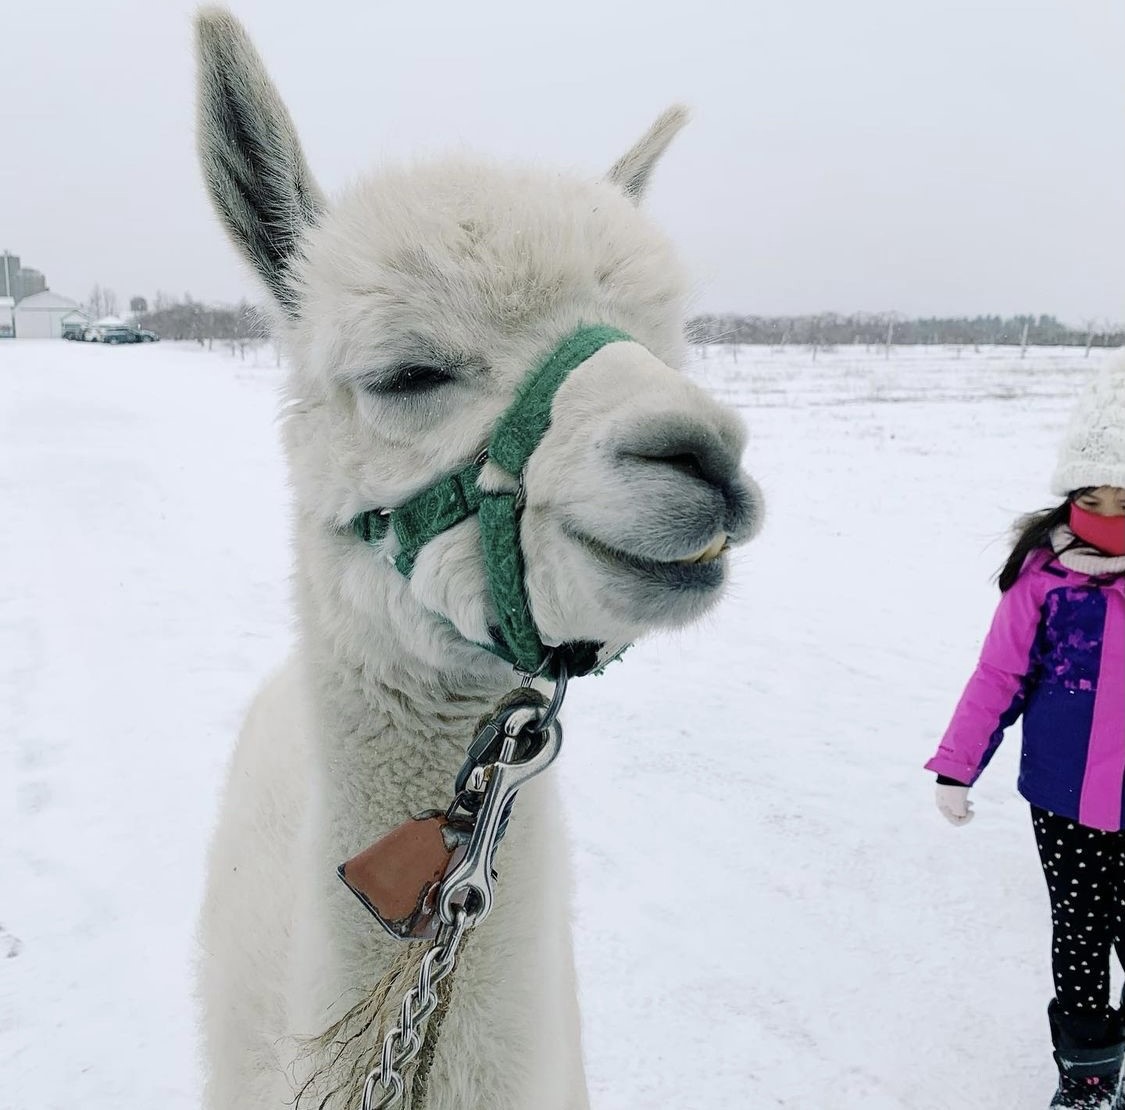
(1056, 654)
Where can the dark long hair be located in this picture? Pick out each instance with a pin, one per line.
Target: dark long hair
(1033, 532)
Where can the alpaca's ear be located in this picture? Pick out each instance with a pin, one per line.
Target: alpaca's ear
(631, 171)
(252, 161)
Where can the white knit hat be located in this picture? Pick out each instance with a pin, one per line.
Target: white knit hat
(1092, 452)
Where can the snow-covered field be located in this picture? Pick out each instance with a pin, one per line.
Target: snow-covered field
(769, 911)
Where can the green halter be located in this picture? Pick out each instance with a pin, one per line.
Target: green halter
(456, 497)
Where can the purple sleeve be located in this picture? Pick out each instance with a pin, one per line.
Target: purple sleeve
(994, 696)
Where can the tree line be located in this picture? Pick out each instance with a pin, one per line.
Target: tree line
(830, 329)
(191, 319)
(243, 325)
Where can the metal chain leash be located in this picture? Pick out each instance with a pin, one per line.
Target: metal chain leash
(385, 1085)
(493, 775)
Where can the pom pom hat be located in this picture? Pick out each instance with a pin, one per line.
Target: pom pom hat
(1092, 452)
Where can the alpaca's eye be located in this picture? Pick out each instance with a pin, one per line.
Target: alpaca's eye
(412, 379)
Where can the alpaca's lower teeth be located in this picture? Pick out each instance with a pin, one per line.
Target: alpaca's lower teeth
(710, 553)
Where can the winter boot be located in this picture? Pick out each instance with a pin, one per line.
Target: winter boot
(1089, 1061)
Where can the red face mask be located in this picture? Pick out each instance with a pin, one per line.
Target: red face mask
(1106, 533)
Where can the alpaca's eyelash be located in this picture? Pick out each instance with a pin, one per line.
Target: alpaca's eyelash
(410, 379)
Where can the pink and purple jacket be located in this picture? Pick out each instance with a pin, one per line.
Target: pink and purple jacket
(1056, 654)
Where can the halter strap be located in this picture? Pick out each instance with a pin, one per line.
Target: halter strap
(456, 497)
(524, 423)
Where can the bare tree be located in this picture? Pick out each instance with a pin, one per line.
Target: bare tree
(1110, 331)
(891, 318)
(102, 302)
(138, 306)
(1091, 332)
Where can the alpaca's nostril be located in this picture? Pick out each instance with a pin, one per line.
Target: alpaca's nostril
(686, 462)
(700, 458)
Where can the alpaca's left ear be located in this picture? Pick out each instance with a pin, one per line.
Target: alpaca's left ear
(631, 172)
(252, 160)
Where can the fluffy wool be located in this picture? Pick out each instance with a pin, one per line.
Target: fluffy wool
(1092, 452)
(470, 273)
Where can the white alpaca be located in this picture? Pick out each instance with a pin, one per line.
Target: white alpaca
(411, 308)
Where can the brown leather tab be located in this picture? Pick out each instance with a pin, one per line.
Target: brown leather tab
(397, 878)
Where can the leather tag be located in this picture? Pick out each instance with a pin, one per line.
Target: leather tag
(397, 878)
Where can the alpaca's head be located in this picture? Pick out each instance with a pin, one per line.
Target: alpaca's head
(413, 306)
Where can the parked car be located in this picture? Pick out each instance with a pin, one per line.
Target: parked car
(122, 333)
(117, 335)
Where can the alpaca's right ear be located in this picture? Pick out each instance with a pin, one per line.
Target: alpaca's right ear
(630, 173)
(251, 158)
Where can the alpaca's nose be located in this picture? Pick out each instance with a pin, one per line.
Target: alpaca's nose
(697, 455)
(691, 448)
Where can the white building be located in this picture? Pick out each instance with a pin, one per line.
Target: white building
(40, 316)
(7, 320)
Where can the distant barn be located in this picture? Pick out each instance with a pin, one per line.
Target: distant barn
(41, 315)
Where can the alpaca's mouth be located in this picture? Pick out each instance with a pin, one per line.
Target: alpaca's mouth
(718, 546)
(702, 569)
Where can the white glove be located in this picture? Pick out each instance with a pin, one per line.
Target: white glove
(953, 804)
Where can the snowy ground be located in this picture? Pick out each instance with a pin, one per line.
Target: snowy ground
(770, 912)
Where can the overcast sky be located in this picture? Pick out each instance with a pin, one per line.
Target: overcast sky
(927, 156)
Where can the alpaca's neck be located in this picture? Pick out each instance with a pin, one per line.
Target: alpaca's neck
(390, 745)
(392, 728)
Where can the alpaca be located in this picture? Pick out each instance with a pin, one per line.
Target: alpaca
(410, 309)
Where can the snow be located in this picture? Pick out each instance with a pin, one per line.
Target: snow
(770, 912)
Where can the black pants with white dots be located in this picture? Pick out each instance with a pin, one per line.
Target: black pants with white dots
(1085, 873)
